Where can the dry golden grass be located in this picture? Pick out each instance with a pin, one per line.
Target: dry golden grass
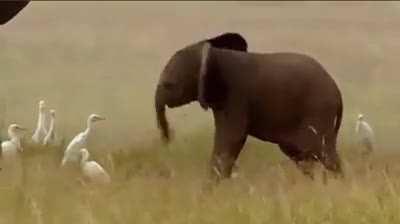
(105, 57)
(154, 185)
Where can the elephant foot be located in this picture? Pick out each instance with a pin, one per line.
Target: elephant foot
(307, 168)
(235, 173)
(335, 171)
(214, 179)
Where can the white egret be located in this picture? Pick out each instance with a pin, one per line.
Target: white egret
(10, 148)
(365, 133)
(51, 136)
(92, 170)
(72, 152)
(41, 131)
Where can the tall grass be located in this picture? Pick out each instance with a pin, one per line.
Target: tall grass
(155, 185)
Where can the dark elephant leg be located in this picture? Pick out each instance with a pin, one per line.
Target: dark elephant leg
(305, 146)
(224, 156)
(230, 136)
(329, 157)
(320, 142)
(304, 162)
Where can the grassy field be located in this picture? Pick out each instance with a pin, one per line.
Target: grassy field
(105, 58)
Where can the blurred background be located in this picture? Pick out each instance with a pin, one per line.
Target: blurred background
(106, 57)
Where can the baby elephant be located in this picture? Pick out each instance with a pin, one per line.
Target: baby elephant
(285, 98)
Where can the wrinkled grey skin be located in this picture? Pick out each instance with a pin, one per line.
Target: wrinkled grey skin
(284, 98)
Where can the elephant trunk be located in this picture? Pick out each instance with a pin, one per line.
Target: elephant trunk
(161, 118)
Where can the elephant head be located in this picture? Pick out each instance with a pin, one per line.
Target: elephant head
(183, 79)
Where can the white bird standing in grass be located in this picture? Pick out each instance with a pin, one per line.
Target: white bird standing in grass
(51, 135)
(365, 134)
(40, 132)
(92, 170)
(72, 152)
(10, 148)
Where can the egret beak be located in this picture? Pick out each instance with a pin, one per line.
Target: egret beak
(22, 129)
(101, 118)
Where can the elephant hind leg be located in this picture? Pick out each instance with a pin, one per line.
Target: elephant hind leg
(330, 158)
(304, 162)
(307, 146)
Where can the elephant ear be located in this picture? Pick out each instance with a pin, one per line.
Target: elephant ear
(211, 88)
(205, 54)
(232, 41)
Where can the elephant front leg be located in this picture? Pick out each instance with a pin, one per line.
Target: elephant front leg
(230, 136)
(224, 158)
